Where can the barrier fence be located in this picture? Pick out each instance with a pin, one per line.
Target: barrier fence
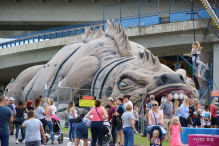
(63, 95)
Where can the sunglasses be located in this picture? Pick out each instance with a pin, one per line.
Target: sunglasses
(154, 104)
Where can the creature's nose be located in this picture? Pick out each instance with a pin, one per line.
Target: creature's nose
(170, 78)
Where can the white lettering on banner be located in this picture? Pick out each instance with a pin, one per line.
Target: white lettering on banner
(203, 139)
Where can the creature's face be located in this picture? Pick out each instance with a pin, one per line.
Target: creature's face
(145, 76)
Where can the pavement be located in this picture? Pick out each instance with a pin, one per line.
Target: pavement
(65, 141)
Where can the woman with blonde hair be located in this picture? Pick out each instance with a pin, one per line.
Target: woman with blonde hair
(48, 119)
(195, 114)
(176, 104)
(196, 51)
(214, 113)
(72, 116)
(184, 113)
(53, 106)
(155, 116)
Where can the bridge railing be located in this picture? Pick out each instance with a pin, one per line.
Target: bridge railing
(126, 22)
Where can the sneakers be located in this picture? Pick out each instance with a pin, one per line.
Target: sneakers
(17, 142)
(23, 141)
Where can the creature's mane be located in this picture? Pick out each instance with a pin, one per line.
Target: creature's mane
(144, 59)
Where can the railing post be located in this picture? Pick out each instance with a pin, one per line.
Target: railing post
(62, 34)
(10, 43)
(24, 41)
(81, 30)
(139, 2)
(70, 97)
(50, 36)
(68, 33)
(44, 37)
(38, 38)
(55, 35)
(33, 39)
(19, 42)
(58, 100)
(6, 45)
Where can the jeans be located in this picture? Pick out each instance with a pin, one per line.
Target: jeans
(200, 65)
(114, 135)
(72, 129)
(145, 129)
(49, 123)
(218, 121)
(21, 120)
(136, 125)
(128, 136)
(96, 131)
(32, 143)
(4, 137)
(43, 121)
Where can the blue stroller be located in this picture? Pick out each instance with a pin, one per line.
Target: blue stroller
(162, 133)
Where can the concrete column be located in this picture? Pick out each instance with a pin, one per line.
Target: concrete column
(216, 65)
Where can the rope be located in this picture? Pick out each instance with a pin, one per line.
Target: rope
(201, 34)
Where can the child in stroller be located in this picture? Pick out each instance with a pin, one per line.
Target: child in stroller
(156, 135)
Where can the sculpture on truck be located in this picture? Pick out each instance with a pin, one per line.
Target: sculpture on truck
(105, 62)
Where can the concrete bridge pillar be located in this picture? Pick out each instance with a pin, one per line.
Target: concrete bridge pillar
(216, 65)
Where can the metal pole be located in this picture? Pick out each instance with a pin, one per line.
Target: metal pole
(103, 17)
(70, 97)
(142, 115)
(120, 14)
(139, 13)
(177, 62)
(57, 99)
(169, 7)
(32, 94)
(158, 6)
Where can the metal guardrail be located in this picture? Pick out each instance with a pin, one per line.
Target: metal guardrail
(71, 30)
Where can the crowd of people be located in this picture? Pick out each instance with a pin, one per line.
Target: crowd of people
(24, 117)
(120, 113)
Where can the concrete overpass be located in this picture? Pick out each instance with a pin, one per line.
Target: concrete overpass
(162, 40)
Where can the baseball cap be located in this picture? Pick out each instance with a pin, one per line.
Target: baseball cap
(151, 96)
(11, 98)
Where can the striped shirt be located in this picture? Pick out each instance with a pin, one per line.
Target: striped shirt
(217, 104)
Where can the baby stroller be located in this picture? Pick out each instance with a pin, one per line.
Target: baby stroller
(162, 132)
(107, 137)
(56, 130)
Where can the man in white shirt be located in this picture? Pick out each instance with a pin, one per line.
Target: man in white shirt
(126, 100)
(206, 116)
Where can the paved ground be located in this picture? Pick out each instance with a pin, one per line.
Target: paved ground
(12, 142)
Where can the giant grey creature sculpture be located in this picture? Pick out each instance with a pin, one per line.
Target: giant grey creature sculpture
(105, 62)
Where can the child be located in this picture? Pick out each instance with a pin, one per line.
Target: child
(175, 129)
(206, 115)
(155, 141)
(128, 126)
(33, 129)
(136, 118)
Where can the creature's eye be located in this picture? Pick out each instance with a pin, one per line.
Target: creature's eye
(123, 84)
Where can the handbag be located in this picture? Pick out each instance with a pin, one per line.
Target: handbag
(187, 121)
(79, 118)
(156, 120)
(105, 129)
(16, 119)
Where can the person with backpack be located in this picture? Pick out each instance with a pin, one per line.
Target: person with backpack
(97, 128)
(119, 111)
(168, 112)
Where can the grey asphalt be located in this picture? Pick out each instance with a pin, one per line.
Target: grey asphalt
(12, 142)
